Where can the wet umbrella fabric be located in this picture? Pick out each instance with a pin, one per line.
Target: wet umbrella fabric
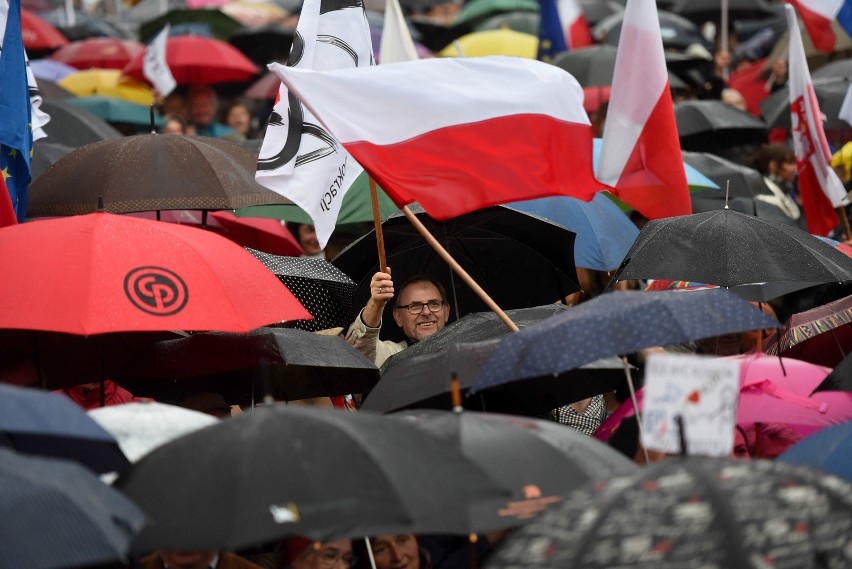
(728, 248)
(719, 512)
(321, 287)
(709, 126)
(58, 514)
(74, 126)
(150, 172)
(51, 425)
(829, 450)
(314, 472)
(830, 93)
(97, 52)
(100, 273)
(481, 242)
(740, 181)
(617, 323)
(540, 461)
(45, 154)
(840, 378)
(297, 364)
(677, 32)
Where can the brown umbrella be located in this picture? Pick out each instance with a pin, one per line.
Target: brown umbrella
(150, 172)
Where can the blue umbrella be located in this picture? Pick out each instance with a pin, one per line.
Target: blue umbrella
(50, 69)
(617, 323)
(830, 450)
(50, 424)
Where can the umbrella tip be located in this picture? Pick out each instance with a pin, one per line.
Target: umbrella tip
(727, 192)
(455, 392)
(101, 208)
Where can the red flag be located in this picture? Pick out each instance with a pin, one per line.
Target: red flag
(640, 155)
(7, 210)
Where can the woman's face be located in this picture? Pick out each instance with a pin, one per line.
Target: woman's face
(787, 171)
(396, 552)
(239, 119)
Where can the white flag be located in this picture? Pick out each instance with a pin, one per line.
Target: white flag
(299, 159)
(38, 117)
(154, 66)
(397, 44)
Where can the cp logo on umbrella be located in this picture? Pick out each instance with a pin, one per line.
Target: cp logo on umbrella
(156, 290)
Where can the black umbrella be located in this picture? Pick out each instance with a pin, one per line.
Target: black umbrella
(263, 44)
(728, 248)
(211, 23)
(50, 90)
(840, 378)
(494, 245)
(51, 425)
(701, 11)
(58, 514)
(830, 93)
(286, 470)
(150, 172)
(75, 126)
(616, 323)
(291, 364)
(541, 461)
(764, 207)
(591, 66)
(841, 68)
(677, 32)
(45, 153)
(695, 512)
(740, 181)
(712, 126)
(321, 287)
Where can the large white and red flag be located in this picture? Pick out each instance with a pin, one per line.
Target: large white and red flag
(819, 187)
(640, 152)
(460, 134)
(300, 159)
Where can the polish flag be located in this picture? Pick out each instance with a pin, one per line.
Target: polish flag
(640, 153)
(577, 32)
(818, 16)
(819, 187)
(457, 134)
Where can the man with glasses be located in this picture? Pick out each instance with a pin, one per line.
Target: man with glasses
(421, 309)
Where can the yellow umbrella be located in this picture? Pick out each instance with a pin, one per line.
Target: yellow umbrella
(108, 83)
(493, 42)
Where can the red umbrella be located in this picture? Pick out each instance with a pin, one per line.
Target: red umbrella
(196, 60)
(101, 53)
(38, 34)
(101, 273)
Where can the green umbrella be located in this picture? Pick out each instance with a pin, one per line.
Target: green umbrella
(115, 110)
(520, 21)
(204, 22)
(477, 10)
(357, 206)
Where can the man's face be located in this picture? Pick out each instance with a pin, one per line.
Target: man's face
(419, 326)
(202, 109)
(330, 555)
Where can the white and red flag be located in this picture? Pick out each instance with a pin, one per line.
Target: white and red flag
(577, 31)
(819, 187)
(300, 159)
(457, 134)
(640, 153)
(819, 15)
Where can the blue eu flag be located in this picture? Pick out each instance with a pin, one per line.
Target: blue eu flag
(16, 135)
(551, 35)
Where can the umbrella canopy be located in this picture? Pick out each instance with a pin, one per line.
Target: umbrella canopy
(262, 44)
(255, 12)
(51, 425)
(617, 323)
(832, 70)
(591, 66)
(493, 42)
(740, 181)
(58, 514)
(541, 461)
(723, 513)
(192, 172)
(118, 110)
(840, 379)
(38, 34)
(707, 126)
(296, 364)
(73, 126)
(208, 23)
(102, 53)
(701, 11)
(196, 60)
(50, 70)
(677, 32)
(821, 335)
(519, 21)
(266, 234)
(50, 90)
(728, 248)
(45, 154)
(830, 93)
(321, 287)
(316, 472)
(829, 450)
(481, 242)
(108, 83)
(477, 10)
(126, 274)
(139, 428)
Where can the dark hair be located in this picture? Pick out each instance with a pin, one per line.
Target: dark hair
(776, 151)
(625, 439)
(423, 278)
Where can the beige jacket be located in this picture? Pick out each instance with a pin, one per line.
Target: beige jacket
(366, 340)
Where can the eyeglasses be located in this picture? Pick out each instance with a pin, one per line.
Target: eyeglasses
(417, 307)
(330, 558)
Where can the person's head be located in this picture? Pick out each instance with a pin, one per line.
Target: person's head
(203, 105)
(421, 307)
(734, 98)
(17, 367)
(300, 553)
(776, 160)
(396, 551)
(175, 104)
(238, 117)
(306, 235)
(194, 559)
(174, 124)
(763, 440)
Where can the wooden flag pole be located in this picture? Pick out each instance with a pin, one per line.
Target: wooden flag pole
(445, 255)
(844, 220)
(377, 221)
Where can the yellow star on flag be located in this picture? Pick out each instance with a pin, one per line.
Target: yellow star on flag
(6, 174)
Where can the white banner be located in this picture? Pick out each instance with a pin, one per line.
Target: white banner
(154, 66)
